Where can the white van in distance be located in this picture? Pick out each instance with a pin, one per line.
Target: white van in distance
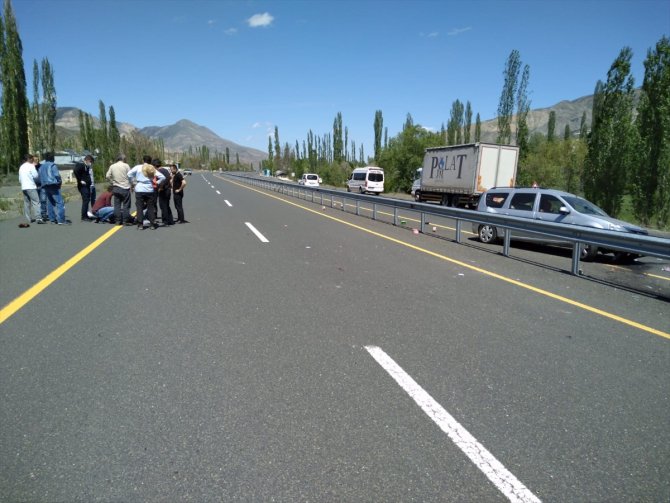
(368, 179)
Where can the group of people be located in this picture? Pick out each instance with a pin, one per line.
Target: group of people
(153, 184)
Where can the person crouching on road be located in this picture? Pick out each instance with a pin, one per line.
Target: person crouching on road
(102, 210)
(142, 176)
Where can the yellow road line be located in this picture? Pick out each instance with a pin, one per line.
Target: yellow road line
(656, 276)
(36, 289)
(540, 291)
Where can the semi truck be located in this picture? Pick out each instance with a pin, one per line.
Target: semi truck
(457, 175)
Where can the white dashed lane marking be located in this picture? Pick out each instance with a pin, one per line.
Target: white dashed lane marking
(494, 470)
(260, 236)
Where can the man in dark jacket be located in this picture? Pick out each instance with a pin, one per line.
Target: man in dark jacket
(82, 172)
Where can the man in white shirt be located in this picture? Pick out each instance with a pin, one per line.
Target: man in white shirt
(31, 200)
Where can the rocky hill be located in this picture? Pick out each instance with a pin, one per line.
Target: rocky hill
(183, 134)
(177, 137)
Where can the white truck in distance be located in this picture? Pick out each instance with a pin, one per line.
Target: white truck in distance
(459, 174)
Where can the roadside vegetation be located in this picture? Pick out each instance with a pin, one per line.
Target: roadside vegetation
(620, 161)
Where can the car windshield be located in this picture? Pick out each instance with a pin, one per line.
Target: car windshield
(584, 206)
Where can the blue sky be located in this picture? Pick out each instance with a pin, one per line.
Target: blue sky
(241, 67)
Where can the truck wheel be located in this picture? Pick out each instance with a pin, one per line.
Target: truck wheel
(487, 234)
(417, 196)
(588, 253)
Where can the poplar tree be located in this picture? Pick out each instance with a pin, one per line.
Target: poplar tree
(338, 143)
(114, 135)
(583, 131)
(566, 133)
(277, 149)
(48, 114)
(522, 110)
(270, 154)
(551, 126)
(651, 179)
(36, 136)
(613, 136)
(506, 103)
(14, 118)
(468, 123)
(478, 129)
(379, 126)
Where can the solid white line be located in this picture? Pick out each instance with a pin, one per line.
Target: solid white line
(227, 202)
(494, 470)
(258, 234)
(219, 193)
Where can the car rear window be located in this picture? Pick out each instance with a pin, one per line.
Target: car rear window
(523, 201)
(496, 199)
(376, 177)
(312, 177)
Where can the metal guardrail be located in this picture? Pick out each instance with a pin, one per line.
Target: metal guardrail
(577, 235)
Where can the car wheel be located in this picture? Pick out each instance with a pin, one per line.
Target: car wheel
(348, 189)
(487, 234)
(621, 257)
(360, 190)
(589, 252)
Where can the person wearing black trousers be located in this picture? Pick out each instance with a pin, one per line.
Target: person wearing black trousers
(178, 184)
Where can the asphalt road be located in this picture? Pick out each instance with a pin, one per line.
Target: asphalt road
(314, 355)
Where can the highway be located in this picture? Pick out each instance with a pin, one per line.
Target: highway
(274, 349)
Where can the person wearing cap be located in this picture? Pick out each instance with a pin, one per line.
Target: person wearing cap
(117, 175)
(142, 176)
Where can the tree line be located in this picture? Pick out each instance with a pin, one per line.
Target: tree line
(621, 159)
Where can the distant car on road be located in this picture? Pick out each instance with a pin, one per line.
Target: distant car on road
(550, 205)
(187, 171)
(310, 180)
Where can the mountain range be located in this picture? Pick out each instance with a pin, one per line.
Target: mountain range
(181, 135)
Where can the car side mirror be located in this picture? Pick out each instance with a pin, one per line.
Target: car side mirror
(564, 210)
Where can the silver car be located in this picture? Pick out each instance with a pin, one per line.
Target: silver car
(551, 206)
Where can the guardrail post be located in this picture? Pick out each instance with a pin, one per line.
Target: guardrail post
(395, 215)
(459, 222)
(423, 223)
(508, 238)
(374, 211)
(576, 254)
(358, 207)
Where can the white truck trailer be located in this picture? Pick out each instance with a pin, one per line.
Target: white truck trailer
(459, 174)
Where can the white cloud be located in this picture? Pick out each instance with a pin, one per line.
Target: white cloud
(211, 22)
(263, 20)
(457, 31)
(230, 31)
(432, 34)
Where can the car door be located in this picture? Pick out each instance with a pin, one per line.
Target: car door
(549, 210)
(522, 205)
